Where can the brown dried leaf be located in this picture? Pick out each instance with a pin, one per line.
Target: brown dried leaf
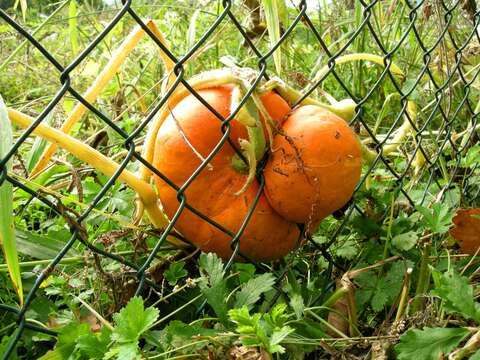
(467, 230)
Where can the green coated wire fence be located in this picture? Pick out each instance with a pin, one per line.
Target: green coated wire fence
(441, 79)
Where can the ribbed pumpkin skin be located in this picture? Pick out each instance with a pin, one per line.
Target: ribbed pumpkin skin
(267, 236)
(315, 166)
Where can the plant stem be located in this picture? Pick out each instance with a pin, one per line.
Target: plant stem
(423, 280)
(404, 295)
(98, 161)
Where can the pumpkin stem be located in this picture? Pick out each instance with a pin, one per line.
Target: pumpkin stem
(343, 108)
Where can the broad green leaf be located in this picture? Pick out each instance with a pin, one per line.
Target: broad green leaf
(405, 241)
(457, 295)
(7, 227)
(66, 342)
(94, 346)
(133, 320)
(429, 343)
(253, 289)
(273, 11)
(438, 219)
(40, 247)
(175, 272)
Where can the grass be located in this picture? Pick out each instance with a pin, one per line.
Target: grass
(372, 245)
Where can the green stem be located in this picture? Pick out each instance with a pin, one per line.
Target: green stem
(423, 280)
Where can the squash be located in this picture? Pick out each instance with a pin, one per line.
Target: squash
(191, 133)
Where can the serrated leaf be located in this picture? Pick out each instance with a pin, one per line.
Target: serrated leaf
(457, 295)
(405, 241)
(212, 284)
(67, 338)
(126, 351)
(437, 219)
(133, 320)
(94, 346)
(429, 343)
(212, 265)
(175, 272)
(297, 304)
(277, 337)
(252, 290)
(348, 250)
(7, 227)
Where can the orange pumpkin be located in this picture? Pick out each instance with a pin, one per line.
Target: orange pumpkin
(193, 131)
(315, 165)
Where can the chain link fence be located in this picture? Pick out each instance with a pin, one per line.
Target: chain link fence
(441, 70)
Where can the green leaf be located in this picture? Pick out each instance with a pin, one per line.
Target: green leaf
(245, 272)
(438, 219)
(38, 146)
(405, 241)
(212, 284)
(272, 10)
(7, 227)
(277, 316)
(253, 289)
(457, 295)
(212, 265)
(94, 346)
(133, 320)
(126, 351)
(40, 247)
(72, 26)
(175, 272)
(277, 337)
(67, 339)
(297, 304)
(348, 250)
(429, 343)
(475, 356)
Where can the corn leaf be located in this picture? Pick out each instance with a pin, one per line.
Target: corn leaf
(273, 10)
(7, 231)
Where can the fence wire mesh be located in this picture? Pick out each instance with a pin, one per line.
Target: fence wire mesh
(445, 66)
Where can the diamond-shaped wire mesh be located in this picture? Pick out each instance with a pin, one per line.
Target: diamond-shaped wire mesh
(432, 81)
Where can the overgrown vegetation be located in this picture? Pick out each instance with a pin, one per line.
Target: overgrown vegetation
(381, 279)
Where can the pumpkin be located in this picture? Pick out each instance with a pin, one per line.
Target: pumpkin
(190, 133)
(312, 171)
(315, 165)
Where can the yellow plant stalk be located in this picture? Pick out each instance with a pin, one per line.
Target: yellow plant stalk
(118, 58)
(98, 161)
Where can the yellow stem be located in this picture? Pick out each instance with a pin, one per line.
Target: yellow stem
(98, 161)
(357, 57)
(98, 85)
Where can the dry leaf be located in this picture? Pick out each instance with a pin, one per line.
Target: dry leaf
(467, 230)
